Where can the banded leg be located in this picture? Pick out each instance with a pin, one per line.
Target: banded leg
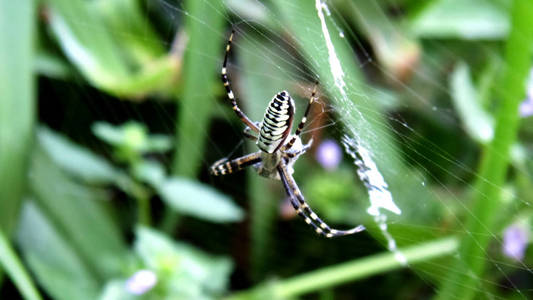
(229, 91)
(248, 134)
(292, 154)
(303, 121)
(303, 209)
(225, 166)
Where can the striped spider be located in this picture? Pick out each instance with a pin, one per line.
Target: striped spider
(278, 150)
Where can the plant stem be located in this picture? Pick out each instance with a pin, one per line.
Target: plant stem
(14, 268)
(468, 270)
(143, 205)
(169, 221)
(17, 104)
(357, 269)
(142, 196)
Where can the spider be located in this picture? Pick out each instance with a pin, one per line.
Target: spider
(278, 150)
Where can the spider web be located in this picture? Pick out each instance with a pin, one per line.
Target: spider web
(401, 190)
(393, 160)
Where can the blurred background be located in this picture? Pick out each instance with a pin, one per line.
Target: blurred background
(112, 112)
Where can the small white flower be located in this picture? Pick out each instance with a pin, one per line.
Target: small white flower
(141, 282)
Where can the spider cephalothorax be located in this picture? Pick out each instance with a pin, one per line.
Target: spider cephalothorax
(278, 150)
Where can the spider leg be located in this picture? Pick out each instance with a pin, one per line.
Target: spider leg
(303, 209)
(292, 153)
(229, 91)
(225, 166)
(248, 133)
(304, 119)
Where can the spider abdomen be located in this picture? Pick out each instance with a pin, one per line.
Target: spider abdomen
(276, 123)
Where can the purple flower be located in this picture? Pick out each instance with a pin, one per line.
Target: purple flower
(526, 107)
(141, 282)
(515, 240)
(329, 154)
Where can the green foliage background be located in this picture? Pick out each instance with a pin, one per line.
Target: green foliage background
(111, 112)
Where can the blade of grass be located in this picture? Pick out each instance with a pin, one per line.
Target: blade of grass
(203, 26)
(353, 270)
(17, 106)
(11, 263)
(468, 270)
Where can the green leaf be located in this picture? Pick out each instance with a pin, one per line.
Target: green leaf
(75, 159)
(78, 211)
(182, 263)
(57, 266)
(17, 104)
(149, 171)
(89, 45)
(86, 42)
(470, 20)
(82, 163)
(131, 28)
(478, 123)
(131, 134)
(198, 200)
(158, 143)
(132, 137)
(11, 263)
(157, 76)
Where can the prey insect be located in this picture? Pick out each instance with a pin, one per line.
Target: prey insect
(278, 150)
